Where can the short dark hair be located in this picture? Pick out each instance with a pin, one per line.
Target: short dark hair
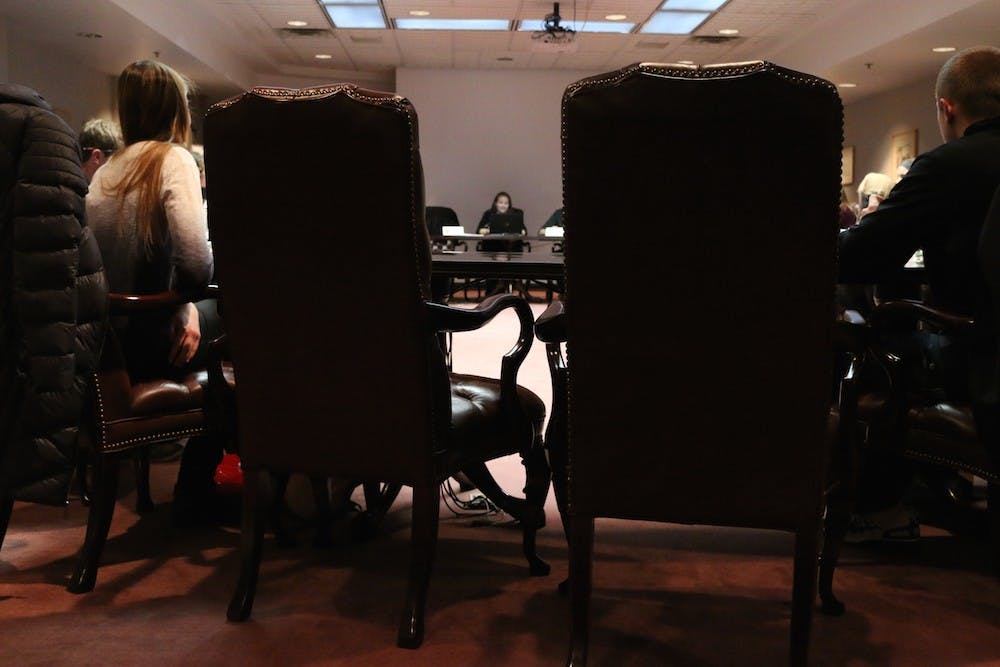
(971, 80)
(101, 134)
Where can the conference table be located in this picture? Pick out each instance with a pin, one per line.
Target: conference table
(544, 260)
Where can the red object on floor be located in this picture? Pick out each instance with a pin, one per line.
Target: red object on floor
(229, 475)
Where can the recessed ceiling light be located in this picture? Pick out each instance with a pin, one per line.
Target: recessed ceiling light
(943, 49)
(298, 24)
(323, 56)
(355, 13)
(616, 17)
(419, 12)
(729, 31)
(847, 85)
(700, 5)
(685, 62)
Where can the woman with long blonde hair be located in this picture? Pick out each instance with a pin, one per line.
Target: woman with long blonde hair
(145, 207)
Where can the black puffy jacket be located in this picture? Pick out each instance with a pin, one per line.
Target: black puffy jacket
(53, 298)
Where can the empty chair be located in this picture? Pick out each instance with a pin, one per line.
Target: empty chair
(339, 381)
(439, 217)
(706, 400)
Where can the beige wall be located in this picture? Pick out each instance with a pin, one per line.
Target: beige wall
(482, 131)
(75, 92)
(870, 124)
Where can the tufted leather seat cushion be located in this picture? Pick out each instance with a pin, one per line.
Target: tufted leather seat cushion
(475, 414)
(155, 396)
(945, 433)
(158, 410)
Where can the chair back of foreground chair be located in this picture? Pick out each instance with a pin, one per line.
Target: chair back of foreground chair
(336, 347)
(730, 174)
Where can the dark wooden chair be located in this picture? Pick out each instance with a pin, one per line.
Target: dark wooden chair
(666, 410)
(925, 424)
(338, 381)
(128, 417)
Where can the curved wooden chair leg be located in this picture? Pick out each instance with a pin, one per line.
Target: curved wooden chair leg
(426, 508)
(251, 543)
(581, 548)
(840, 496)
(82, 474)
(536, 490)
(838, 516)
(143, 499)
(803, 593)
(102, 510)
(484, 481)
(6, 507)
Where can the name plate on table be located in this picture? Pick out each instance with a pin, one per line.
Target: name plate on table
(452, 230)
(558, 232)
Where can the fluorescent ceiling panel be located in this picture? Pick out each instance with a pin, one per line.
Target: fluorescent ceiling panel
(674, 23)
(701, 5)
(589, 26)
(452, 24)
(356, 16)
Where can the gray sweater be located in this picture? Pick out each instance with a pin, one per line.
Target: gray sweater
(183, 261)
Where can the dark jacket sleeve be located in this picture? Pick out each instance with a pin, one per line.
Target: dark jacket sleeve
(880, 244)
(55, 302)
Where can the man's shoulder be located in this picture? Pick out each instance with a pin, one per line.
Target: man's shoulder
(982, 143)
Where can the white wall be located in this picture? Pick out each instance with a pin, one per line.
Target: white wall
(76, 92)
(870, 124)
(482, 131)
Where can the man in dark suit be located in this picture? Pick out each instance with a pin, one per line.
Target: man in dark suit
(939, 207)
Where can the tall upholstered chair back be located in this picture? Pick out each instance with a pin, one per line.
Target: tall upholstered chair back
(317, 220)
(728, 179)
(704, 396)
(316, 212)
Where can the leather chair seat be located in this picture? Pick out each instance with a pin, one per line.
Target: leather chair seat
(941, 433)
(156, 396)
(476, 414)
(159, 410)
(945, 434)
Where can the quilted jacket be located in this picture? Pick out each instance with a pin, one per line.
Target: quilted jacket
(53, 298)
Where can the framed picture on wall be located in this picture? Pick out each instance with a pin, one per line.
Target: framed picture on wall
(904, 145)
(847, 165)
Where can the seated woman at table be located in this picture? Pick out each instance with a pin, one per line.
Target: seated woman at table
(145, 208)
(501, 204)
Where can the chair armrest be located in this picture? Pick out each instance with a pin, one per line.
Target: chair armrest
(550, 327)
(444, 318)
(894, 313)
(129, 304)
